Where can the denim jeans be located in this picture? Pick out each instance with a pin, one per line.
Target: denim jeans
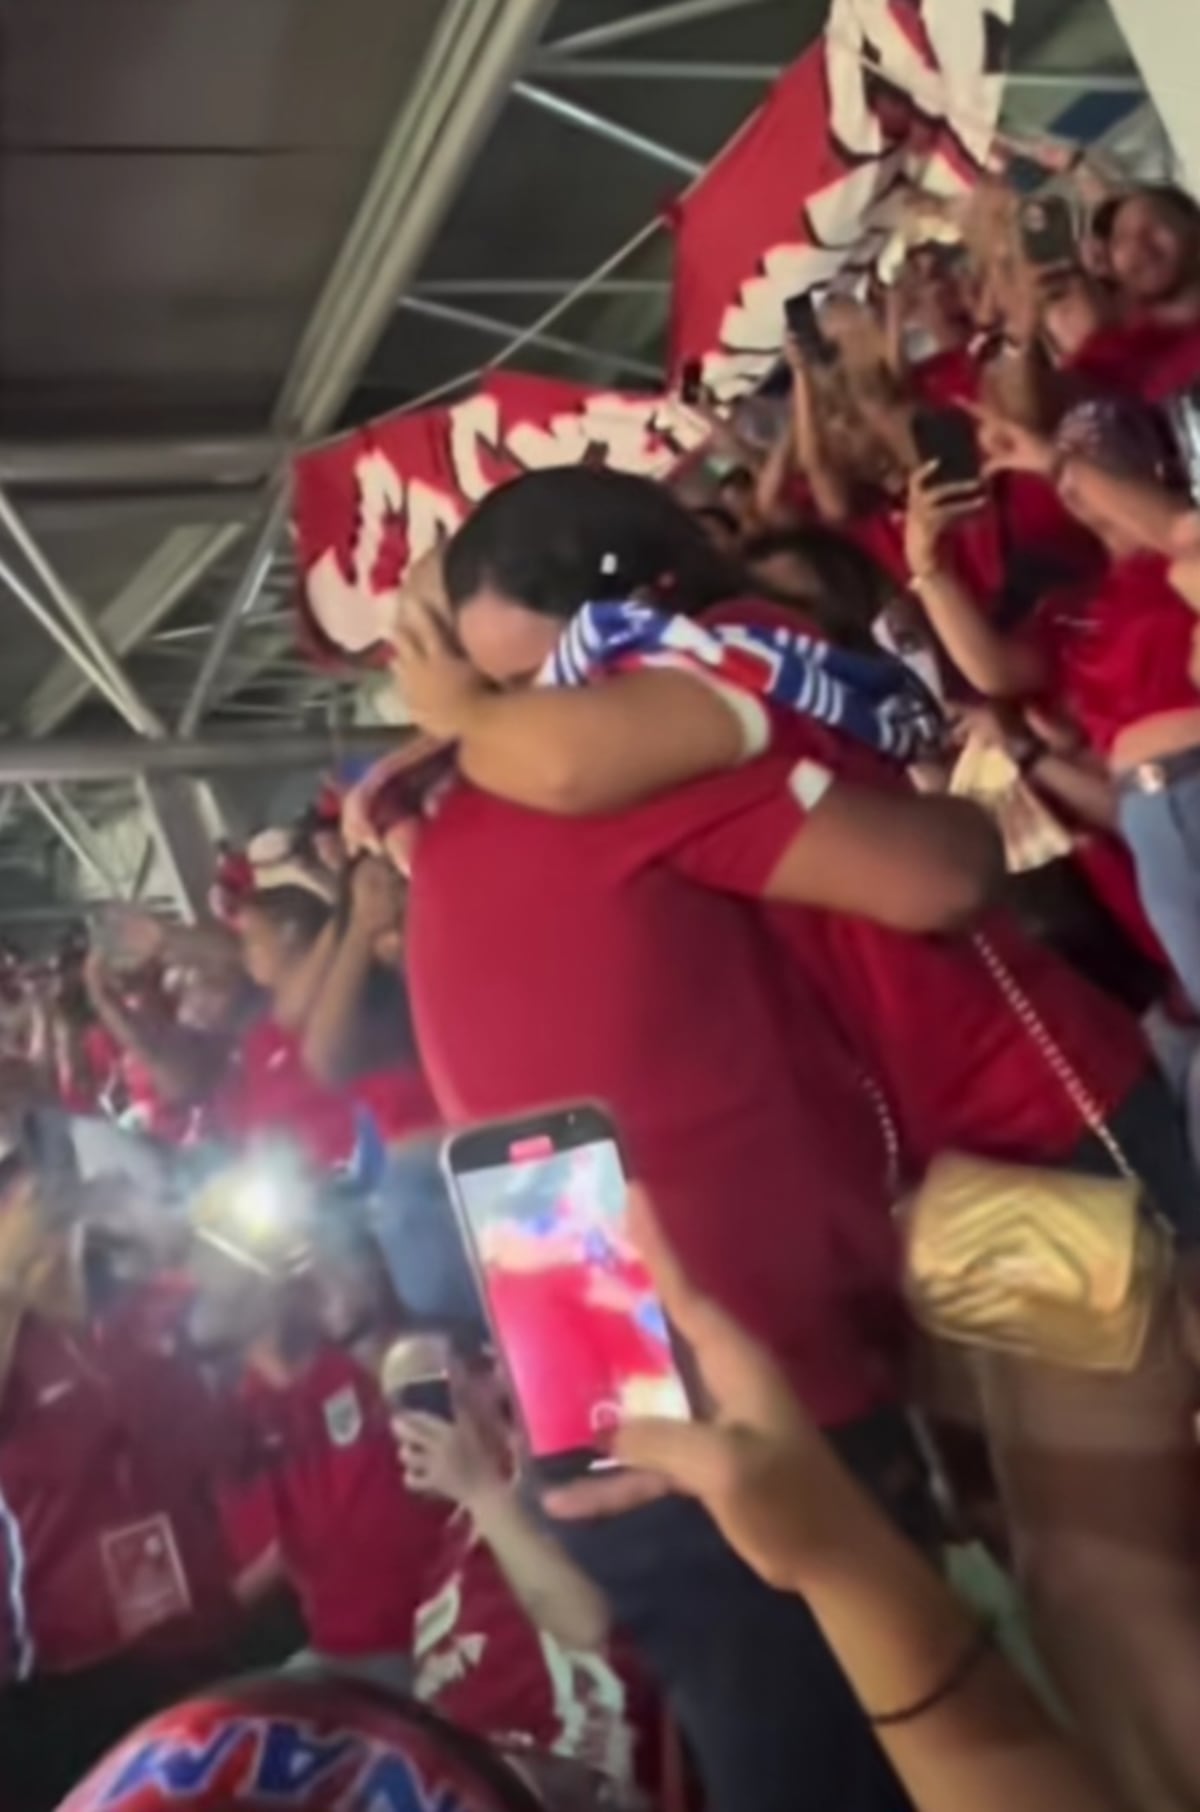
(414, 1223)
(1162, 830)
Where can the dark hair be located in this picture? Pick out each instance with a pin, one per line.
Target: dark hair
(712, 512)
(1104, 217)
(1167, 196)
(574, 535)
(739, 478)
(853, 590)
(292, 909)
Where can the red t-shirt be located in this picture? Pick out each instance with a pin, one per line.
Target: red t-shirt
(269, 1092)
(556, 959)
(109, 1534)
(975, 548)
(400, 1102)
(482, 1664)
(1118, 652)
(355, 1541)
(926, 1018)
(1150, 359)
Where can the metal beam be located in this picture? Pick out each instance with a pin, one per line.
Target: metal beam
(42, 614)
(453, 98)
(643, 23)
(540, 286)
(650, 69)
(179, 562)
(504, 330)
(122, 758)
(84, 635)
(67, 836)
(241, 602)
(57, 912)
(1076, 78)
(139, 465)
(572, 114)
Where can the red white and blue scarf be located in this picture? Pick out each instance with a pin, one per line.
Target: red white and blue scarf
(875, 699)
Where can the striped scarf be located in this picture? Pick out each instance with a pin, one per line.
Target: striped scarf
(873, 698)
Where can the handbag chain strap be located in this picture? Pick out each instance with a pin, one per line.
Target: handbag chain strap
(1056, 1059)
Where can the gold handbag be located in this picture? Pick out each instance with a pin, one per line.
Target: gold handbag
(1059, 1267)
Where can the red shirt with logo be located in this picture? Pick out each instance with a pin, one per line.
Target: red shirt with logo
(925, 1016)
(482, 1664)
(610, 959)
(354, 1540)
(1119, 651)
(109, 1534)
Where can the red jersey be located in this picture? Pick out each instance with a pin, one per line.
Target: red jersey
(109, 1534)
(483, 1665)
(1119, 651)
(354, 1540)
(926, 1018)
(1146, 358)
(399, 1101)
(607, 959)
(269, 1092)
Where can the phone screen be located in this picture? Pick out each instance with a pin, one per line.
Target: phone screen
(948, 438)
(573, 1308)
(1048, 231)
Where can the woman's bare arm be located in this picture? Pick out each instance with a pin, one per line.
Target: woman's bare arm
(601, 748)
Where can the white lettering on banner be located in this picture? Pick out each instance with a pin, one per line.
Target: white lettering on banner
(854, 217)
(646, 435)
(433, 515)
(476, 420)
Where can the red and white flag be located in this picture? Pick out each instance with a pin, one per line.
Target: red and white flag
(895, 92)
(368, 505)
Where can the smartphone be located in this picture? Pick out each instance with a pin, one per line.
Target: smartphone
(1183, 413)
(1048, 231)
(948, 437)
(691, 382)
(800, 313)
(580, 1332)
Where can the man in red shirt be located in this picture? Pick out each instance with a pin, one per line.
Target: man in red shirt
(554, 959)
(308, 1428)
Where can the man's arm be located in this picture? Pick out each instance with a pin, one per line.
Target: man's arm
(911, 861)
(793, 833)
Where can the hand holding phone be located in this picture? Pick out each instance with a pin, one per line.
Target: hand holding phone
(948, 439)
(580, 1331)
(800, 315)
(1048, 234)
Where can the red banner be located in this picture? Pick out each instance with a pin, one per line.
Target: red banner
(896, 92)
(369, 504)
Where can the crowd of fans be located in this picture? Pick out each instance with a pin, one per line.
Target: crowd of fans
(826, 811)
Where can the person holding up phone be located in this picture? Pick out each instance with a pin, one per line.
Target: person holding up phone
(511, 1638)
(958, 1725)
(1115, 656)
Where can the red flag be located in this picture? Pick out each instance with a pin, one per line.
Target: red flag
(369, 504)
(895, 89)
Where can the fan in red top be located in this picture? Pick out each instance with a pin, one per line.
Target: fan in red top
(259, 1746)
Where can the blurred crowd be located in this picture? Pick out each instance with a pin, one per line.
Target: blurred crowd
(832, 814)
